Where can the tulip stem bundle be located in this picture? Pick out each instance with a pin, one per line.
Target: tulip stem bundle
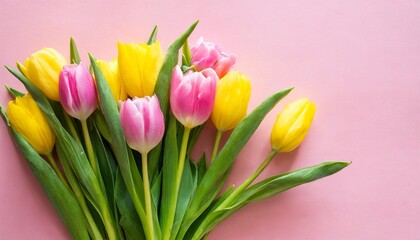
(100, 193)
(147, 197)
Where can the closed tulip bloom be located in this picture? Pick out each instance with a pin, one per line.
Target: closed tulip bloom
(43, 69)
(139, 66)
(209, 55)
(142, 123)
(292, 125)
(28, 120)
(192, 96)
(232, 96)
(111, 74)
(77, 91)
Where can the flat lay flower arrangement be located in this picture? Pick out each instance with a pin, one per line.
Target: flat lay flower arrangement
(110, 143)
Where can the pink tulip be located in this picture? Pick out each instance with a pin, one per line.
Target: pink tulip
(209, 55)
(224, 64)
(77, 91)
(142, 123)
(192, 96)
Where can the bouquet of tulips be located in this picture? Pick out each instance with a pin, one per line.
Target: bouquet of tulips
(111, 145)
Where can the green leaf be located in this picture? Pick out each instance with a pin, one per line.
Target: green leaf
(74, 53)
(156, 190)
(195, 133)
(106, 163)
(272, 186)
(62, 200)
(170, 164)
(129, 219)
(201, 168)
(102, 125)
(186, 190)
(186, 54)
(215, 176)
(152, 38)
(14, 92)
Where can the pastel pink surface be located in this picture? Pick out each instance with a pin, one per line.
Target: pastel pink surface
(357, 60)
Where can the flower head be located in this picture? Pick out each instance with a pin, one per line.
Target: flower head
(232, 96)
(292, 125)
(42, 68)
(209, 55)
(139, 66)
(28, 120)
(142, 123)
(192, 96)
(77, 91)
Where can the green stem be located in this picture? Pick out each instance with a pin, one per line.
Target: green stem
(89, 148)
(57, 170)
(180, 169)
(72, 129)
(248, 181)
(106, 217)
(147, 194)
(93, 228)
(95, 233)
(136, 200)
(216, 145)
(235, 194)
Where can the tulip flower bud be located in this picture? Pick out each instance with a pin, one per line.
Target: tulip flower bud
(111, 74)
(142, 123)
(139, 66)
(209, 55)
(232, 96)
(28, 120)
(292, 125)
(77, 91)
(192, 96)
(43, 68)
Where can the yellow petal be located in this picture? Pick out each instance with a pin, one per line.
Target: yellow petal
(231, 103)
(292, 125)
(29, 121)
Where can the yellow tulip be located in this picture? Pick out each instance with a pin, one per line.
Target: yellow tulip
(231, 103)
(139, 66)
(43, 68)
(28, 120)
(111, 74)
(292, 125)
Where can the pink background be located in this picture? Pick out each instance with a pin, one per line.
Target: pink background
(359, 61)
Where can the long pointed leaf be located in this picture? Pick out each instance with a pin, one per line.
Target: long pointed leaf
(272, 186)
